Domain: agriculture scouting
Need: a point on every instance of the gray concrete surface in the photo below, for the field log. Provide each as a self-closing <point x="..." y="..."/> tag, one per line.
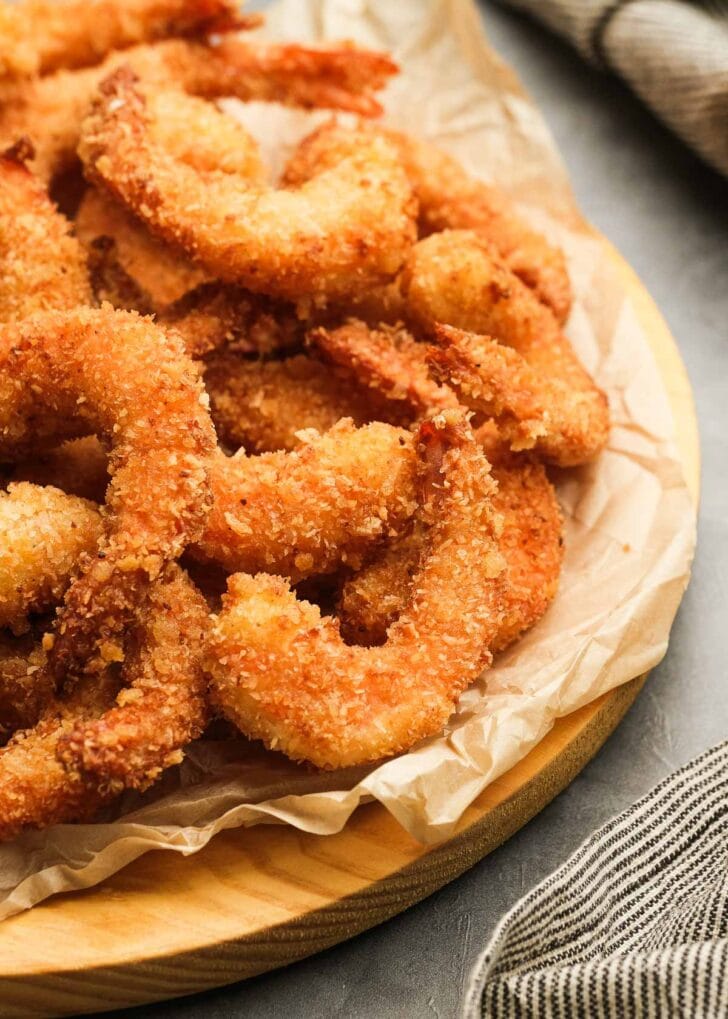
<point x="668" y="214"/>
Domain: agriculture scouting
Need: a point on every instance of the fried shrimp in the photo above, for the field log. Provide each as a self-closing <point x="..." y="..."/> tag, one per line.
<point x="284" y="675"/>
<point x="531" y="380"/>
<point x="42" y="266"/>
<point x="264" y="405"/>
<point x="162" y="706"/>
<point x="328" y="502"/>
<point x="35" y="789"/>
<point x="389" y="361"/>
<point x="531" y="542"/>
<point x="346" y="227"/>
<point x="119" y="375"/>
<point x="50" y="110"/>
<point x="54" y="34"/>
<point x="160" y="274"/>
<point x="43" y="534"/>
<point x="97" y="740"/>
<point x="450" y="199"/>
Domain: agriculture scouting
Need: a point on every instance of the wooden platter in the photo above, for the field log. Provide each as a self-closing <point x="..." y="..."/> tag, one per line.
<point x="262" y="897"/>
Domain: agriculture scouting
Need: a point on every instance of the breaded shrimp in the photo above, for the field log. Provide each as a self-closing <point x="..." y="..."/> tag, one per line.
<point x="119" y="375"/>
<point x="50" y="110"/>
<point x="450" y="199"/>
<point x="42" y="266"/>
<point x="347" y="227"/>
<point x="110" y="740"/>
<point x="163" y="704"/>
<point x="328" y="502"/>
<point x="283" y="674"/>
<point x="55" y="34"/>
<point x="389" y="361"/>
<point x="264" y="405"/>
<point x="35" y="789"/>
<point x="161" y="273"/>
<point x="531" y="542"/>
<point x="43" y="534"/>
<point x="538" y="390"/>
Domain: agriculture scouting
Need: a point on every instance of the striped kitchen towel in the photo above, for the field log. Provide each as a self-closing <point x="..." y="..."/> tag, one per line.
<point x="672" y="53"/>
<point x="635" y="923"/>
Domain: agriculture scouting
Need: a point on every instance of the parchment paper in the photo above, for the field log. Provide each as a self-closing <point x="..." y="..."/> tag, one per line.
<point x="629" y="518"/>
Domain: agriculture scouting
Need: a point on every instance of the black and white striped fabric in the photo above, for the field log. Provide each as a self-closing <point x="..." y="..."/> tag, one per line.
<point x="635" y="923"/>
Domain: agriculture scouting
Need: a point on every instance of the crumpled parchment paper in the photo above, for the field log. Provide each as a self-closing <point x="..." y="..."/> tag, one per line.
<point x="629" y="517"/>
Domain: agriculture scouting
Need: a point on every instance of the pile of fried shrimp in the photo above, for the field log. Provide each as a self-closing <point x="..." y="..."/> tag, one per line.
<point x="277" y="456"/>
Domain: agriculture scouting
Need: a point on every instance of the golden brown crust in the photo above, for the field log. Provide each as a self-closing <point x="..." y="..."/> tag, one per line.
<point x="531" y="379"/>
<point x="264" y="405"/>
<point x="42" y="265"/>
<point x="346" y="227"/>
<point x="43" y="534"/>
<point x="54" y="34"/>
<point x="531" y="542"/>
<point x="451" y="199"/>
<point x="308" y="511"/>
<point x="284" y="675"/>
<point x="121" y="376"/>
<point x="50" y="110"/>
<point x="163" y="705"/>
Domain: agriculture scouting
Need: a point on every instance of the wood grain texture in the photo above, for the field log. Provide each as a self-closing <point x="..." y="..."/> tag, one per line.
<point x="262" y="897"/>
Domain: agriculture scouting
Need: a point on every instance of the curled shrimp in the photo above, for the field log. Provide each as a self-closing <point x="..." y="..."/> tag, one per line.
<point x="97" y="740"/>
<point x="449" y="198"/>
<point x="42" y="265"/>
<point x="531" y="380"/>
<point x="284" y="675"/>
<point x="347" y="226"/>
<point x="163" y="704"/>
<point x="54" y="34"/>
<point x="50" y="110"/>
<point x="117" y="374"/>
<point x="531" y="542"/>
<point x="328" y="502"/>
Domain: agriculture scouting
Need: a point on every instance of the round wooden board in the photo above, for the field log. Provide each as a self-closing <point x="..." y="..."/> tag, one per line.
<point x="262" y="897"/>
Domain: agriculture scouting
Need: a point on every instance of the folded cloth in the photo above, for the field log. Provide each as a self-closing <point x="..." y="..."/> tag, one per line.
<point x="635" y="923"/>
<point x="673" y="54"/>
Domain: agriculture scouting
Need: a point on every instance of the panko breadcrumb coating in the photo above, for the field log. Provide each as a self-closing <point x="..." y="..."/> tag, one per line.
<point x="531" y="542"/>
<point x="328" y="502"/>
<point x="539" y="386"/>
<point x="264" y="405"/>
<point x="52" y="34"/>
<point x="449" y="198"/>
<point x="50" y="110"/>
<point x="122" y="377"/>
<point x="163" y="704"/>
<point x="347" y="227"/>
<point x="42" y="265"/>
<point x="283" y="674"/>
<point x="389" y="361"/>
<point x="98" y="740"/>
<point x="43" y="534"/>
